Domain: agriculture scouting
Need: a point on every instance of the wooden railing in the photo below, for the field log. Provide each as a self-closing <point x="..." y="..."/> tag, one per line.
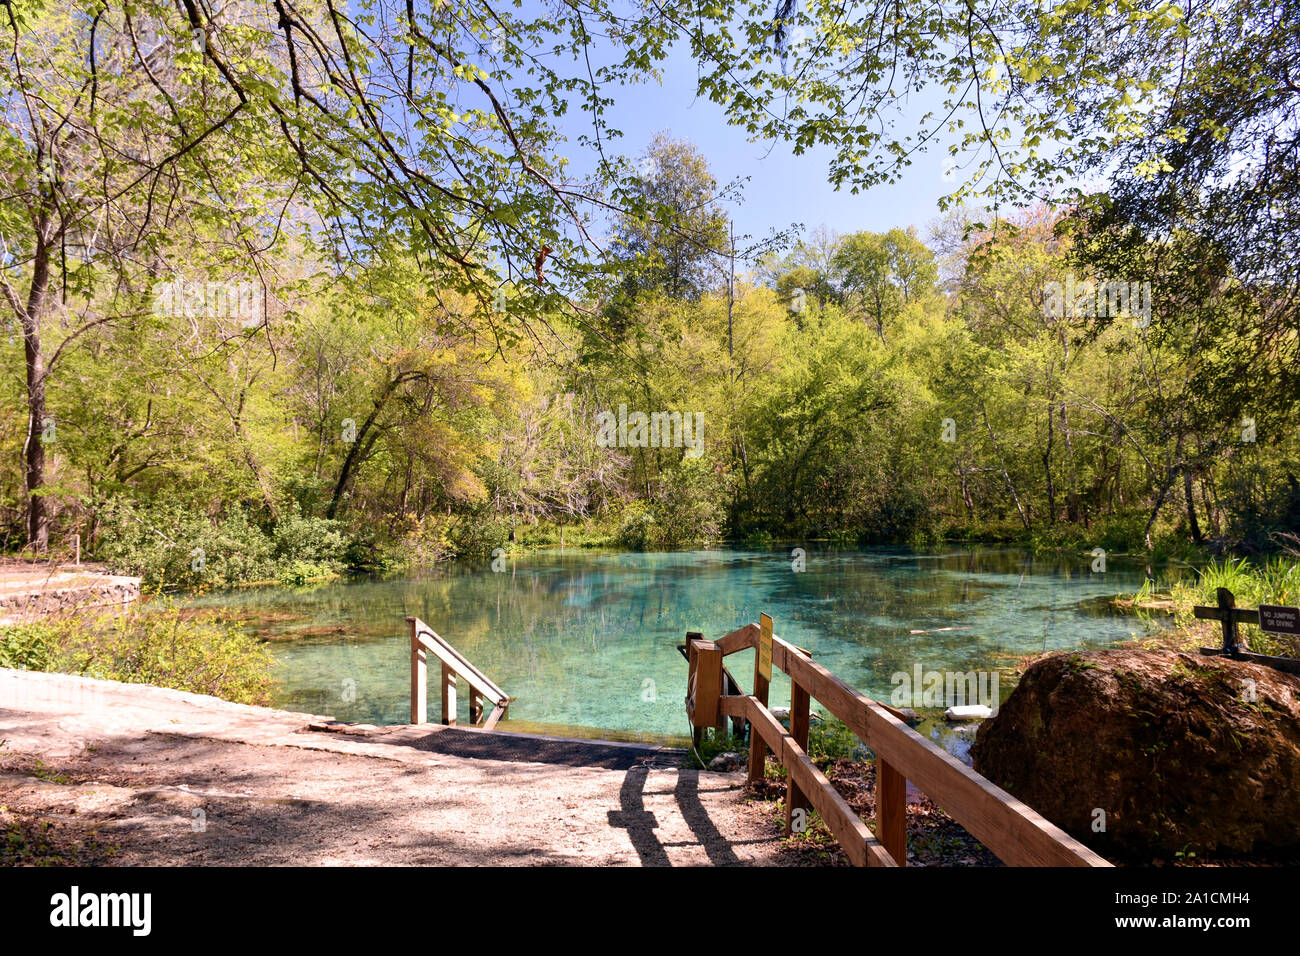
<point x="1017" y="834"/>
<point x="425" y="641"/>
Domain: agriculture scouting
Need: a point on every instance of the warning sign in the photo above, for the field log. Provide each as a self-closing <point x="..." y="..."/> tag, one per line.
<point x="1274" y="619"/>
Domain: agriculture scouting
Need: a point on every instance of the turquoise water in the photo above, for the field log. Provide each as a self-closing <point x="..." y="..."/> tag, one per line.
<point x="588" y="639"/>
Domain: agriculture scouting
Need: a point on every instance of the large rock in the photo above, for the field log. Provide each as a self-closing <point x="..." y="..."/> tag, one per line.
<point x="1180" y="751"/>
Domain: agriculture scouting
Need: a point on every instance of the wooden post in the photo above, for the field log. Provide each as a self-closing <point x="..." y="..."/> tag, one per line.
<point x="1229" y="620"/>
<point x="419" y="678"/>
<point x="448" y="696"/>
<point x="757" y="749"/>
<point x="697" y="732"/>
<point x="891" y="811"/>
<point x="76" y="546"/>
<point x="706" y="668"/>
<point x="732" y="689"/>
<point x="799" y="721"/>
<point x="475" y="707"/>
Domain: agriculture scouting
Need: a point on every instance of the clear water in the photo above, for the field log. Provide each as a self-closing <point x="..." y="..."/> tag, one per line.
<point x="588" y="639"/>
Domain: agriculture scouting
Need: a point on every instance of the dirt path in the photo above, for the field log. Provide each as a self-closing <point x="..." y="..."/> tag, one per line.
<point x="129" y="774"/>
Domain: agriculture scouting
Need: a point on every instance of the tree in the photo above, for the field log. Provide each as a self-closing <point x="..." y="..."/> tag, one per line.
<point x="673" y="243"/>
<point x="109" y="133"/>
<point x="880" y="274"/>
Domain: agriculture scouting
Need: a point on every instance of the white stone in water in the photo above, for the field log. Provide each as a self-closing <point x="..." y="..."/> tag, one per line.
<point x="968" y="712"/>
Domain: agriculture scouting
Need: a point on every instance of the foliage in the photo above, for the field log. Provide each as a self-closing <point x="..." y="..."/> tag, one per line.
<point x="170" y="546"/>
<point x="830" y="739"/>
<point x="711" y="744"/>
<point x="438" y="330"/>
<point x="152" y="645"/>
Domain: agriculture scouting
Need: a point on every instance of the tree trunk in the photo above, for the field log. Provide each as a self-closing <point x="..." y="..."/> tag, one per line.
<point x="1160" y="500"/>
<point x="1210" y="516"/>
<point x="1071" y="470"/>
<point x="1047" y="463"/>
<point x="38" y="513"/>
<point x="1191" y="507"/>
<point x="1024" y="515"/>
<point x="356" y="454"/>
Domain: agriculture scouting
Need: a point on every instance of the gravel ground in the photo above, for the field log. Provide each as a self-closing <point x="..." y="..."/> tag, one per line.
<point x="97" y="772"/>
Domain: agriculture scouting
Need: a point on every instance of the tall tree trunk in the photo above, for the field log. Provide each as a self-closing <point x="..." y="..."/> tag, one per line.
<point x="1191" y="506"/>
<point x="1047" y="463"/>
<point x="1160" y="500"/>
<point x="1071" y="470"/>
<point x="357" y="453"/>
<point x="38" y="512"/>
<point x="1024" y="515"/>
<point x="1210" y="516"/>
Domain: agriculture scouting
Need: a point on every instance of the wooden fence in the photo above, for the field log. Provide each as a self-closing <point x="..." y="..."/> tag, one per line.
<point x="1017" y="834"/>
<point x="1229" y="615"/>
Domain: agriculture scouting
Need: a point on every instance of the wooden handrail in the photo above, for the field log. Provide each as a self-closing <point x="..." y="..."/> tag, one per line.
<point x="424" y="640"/>
<point x="1014" y="831"/>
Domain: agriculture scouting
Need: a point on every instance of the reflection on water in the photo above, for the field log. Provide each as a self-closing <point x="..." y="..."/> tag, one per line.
<point x="589" y="638"/>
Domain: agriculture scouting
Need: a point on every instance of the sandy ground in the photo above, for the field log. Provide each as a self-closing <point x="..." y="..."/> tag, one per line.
<point x="101" y="772"/>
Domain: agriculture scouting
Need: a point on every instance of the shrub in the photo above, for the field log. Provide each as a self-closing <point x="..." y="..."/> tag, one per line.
<point x="635" y="527"/>
<point x="150" y="645"/>
<point x="170" y="546"/>
<point x="830" y="739"/>
<point x="478" y="533"/>
<point x="689" y="508"/>
<point x="26" y="647"/>
<point x="300" y="538"/>
<point x="713" y="743"/>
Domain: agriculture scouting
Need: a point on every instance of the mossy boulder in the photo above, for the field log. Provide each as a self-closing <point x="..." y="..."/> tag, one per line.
<point x="1179" y="751"/>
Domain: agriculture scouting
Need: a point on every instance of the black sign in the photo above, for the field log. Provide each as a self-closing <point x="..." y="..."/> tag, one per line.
<point x="1279" y="620"/>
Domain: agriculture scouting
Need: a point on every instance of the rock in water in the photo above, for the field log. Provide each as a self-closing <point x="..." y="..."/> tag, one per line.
<point x="1178" y="751"/>
<point x="968" y="712"/>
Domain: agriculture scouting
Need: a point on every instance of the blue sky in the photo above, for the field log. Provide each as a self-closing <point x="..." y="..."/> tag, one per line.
<point x="783" y="188"/>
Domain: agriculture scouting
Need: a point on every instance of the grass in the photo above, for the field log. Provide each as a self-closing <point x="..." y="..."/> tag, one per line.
<point x="1276" y="581"/>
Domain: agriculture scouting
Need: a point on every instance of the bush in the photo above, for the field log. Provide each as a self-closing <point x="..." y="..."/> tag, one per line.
<point x="688" y="509"/>
<point x="1117" y="533"/>
<point x="691" y="506"/>
<point x="151" y="645"/>
<point x="635" y="527"/>
<point x="26" y="647"/>
<point x="830" y="739"/>
<point x="478" y="534"/>
<point x="300" y="538"/>
<point x="297" y="573"/>
<point x="713" y="743"/>
<point x="169" y="546"/>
